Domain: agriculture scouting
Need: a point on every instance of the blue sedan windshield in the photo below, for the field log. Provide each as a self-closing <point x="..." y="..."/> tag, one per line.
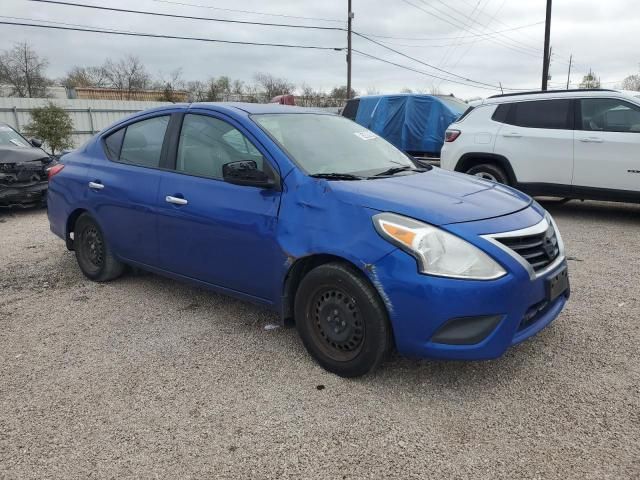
<point x="331" y="144"/>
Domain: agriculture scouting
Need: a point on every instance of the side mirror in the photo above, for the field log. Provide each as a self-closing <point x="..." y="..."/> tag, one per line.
<point x="245" y="172"/>
<point x="36" y="142"/>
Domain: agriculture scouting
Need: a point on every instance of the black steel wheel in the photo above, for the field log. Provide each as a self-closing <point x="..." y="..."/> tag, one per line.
<point x="338" y="325"/>
<point x="341" y="320"/>
<point x="93" y="254"/>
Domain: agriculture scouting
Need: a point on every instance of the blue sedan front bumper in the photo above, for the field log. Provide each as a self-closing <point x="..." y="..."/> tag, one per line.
<point x="515" y="306"/>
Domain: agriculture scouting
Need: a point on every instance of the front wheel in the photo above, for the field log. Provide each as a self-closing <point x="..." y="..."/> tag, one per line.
<point x="341" y="320"/>
<point x="93" y="254"/>
<point x="489" y="171"/>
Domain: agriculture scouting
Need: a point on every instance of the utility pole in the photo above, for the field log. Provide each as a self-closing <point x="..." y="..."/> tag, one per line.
<point x="547" y="54"/>
<point x="569" y="74"/>
<point x="349" y="19"/>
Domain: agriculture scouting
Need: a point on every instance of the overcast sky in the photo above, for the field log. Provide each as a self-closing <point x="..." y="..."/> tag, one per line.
<point x="601" y="35"/>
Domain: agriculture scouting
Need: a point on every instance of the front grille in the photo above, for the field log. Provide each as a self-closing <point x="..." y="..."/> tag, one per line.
<point x="539" y="249"/>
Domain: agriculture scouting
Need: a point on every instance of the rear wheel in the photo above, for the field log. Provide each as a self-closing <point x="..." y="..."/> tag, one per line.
<point x="341" y="320"/>
<point x="489" y="171"/>
<point x="92" y="251"/>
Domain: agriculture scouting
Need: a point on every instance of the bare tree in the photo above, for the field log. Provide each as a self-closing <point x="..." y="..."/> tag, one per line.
<point x="170" y="85"/>
<point x="435" y="89"/>
<point x="313" y="98"/>
<point x="406" y="90"/>
<point x="632" y="82"/>
<point x="196" y="89"/>
<point x="23" y="69"/>
<point x="237" y="87"/>
<point x="341" y="92"/>
<point x="273" y="86"/>
<point x="252" y="94"/>
<point x="95" y="77"/>
<point x="127" y="75"/>
<point x="214" y="90"/>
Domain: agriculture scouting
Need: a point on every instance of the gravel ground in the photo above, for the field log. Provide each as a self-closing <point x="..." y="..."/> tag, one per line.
<point x="145" y="377"/>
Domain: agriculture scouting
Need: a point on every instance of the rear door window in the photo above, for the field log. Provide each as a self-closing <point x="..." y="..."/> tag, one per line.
<point x="142" y="142"/>
<point x="551" y="114"/>
<point x="609" y="115"/>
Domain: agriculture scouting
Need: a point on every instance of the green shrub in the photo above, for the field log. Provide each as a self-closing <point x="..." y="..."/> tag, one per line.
<point x="53" y="126"/>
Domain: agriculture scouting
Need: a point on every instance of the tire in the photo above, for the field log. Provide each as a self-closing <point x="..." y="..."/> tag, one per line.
<point x="341" y="320"/>
<point x="489" y="171"/>
<point x="93" y="254"/>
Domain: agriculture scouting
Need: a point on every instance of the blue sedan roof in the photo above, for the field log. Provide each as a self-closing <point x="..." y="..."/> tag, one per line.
<point x="252" y="108"/>
<point x="236" y="107"/>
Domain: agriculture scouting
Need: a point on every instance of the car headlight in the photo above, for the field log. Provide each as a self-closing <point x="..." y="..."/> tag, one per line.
<point x="437" y="252"/>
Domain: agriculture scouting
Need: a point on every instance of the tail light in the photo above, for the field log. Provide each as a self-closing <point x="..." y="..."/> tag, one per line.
<point x="52" y="171"/>
<point x="450" y="135"/>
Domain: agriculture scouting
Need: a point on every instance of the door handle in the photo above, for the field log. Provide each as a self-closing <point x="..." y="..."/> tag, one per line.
<point x="176" y="200"/>
<point x="591" y="140"/>
<point x="96" y="185"/>
<point x="512" y="135"/>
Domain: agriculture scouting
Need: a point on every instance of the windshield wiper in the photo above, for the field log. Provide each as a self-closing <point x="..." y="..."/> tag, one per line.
<point x="394" y="170"/>
<point x="336" y="176"/>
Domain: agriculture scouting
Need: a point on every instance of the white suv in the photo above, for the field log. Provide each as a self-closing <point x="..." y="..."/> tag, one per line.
<point x="569" y="143"/>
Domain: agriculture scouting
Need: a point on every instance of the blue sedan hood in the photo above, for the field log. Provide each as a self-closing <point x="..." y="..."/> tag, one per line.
<point x="437" y="196"/>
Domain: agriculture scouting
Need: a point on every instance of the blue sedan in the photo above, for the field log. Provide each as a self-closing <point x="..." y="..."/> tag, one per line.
<point x="319" y="219"/>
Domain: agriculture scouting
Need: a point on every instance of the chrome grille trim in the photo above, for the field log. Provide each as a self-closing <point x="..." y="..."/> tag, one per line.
<point x="537" y="229"/>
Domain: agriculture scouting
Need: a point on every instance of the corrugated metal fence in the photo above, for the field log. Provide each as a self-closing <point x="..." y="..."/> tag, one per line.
<point x="88" y="116"/>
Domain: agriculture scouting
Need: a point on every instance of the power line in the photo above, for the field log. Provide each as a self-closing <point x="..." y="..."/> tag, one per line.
<point x="501" y="39"/>
<point x="450" y="51"/>
<point x="504" y="24"/>
<point x="515" y="45"/>
<point x="425" y="63"/>
<point x="484" y="28"/>
<point x="185" y="4"/>
<point x="459" y="12"/>
<point x="471" y="35"/>
<point x="405" y="67"/>
<point x="457" y="25"/>
<point x="25" y="19"/>
<point x="523" y="34"/>
<point x="186" y="17"/>
<point x="427" y="45"/>
<point x="172" y="37"/>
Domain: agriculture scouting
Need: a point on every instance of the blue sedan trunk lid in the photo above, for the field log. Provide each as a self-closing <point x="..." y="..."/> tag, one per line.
<point x="436" y="196"/>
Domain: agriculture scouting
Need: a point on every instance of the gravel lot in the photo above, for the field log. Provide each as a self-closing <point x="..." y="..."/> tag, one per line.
<point x="145" y="377"/>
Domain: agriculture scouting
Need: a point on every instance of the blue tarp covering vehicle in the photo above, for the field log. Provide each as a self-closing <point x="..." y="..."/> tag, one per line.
<point x="413" y="123"/>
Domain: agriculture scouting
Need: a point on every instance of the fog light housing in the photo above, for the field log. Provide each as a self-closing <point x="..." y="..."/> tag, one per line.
<point x="466" y="330"/>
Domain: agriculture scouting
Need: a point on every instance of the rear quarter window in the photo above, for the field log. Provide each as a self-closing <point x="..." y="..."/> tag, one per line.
<point x="501" y="113"/>
<point x="113" y="144"/>
<point x="465" y="114"/>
